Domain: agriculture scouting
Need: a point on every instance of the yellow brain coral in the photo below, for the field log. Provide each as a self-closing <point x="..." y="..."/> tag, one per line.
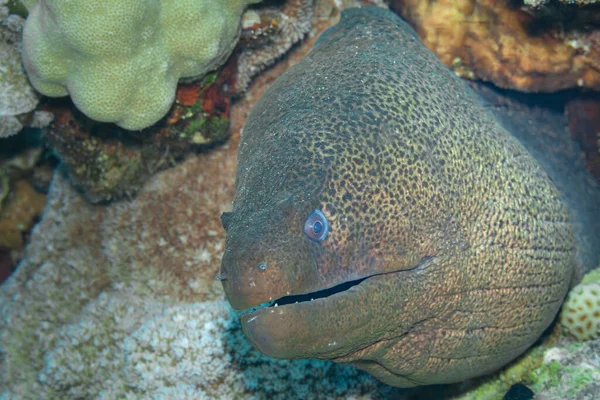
<point x="580" y="314"/>
<point x="120" y="60"/>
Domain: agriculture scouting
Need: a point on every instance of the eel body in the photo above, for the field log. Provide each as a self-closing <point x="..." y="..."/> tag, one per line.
<point x="385" y="219"/>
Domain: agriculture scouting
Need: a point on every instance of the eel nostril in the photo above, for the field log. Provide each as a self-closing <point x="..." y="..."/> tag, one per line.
<point x="222" y="276"/>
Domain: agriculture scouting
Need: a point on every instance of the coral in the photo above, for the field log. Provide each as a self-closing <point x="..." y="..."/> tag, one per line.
<point x="592" y="276"/>
<point x="99" y="282"/>
<point x="144" y="246"/>
<point x="101" y="164"/>
<point x="20" y="203"/>
<point x="16" y="95"/>
<point x="110" y="301"/>
<point x="539" y="3"/>
<point x="267" y="34"/>
<point x="512" y="47"/>
<point x="569" y="371"/>
<point x="121" y="61"/>
<point x="106" y="162"/>
<point x="580" y="315"/>
<point x="560" y="371"/>
<point x="19" y="213"/>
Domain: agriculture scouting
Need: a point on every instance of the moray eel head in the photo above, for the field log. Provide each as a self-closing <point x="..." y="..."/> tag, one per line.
<point x="383" y="218"/>
<point x="283" y="267"/>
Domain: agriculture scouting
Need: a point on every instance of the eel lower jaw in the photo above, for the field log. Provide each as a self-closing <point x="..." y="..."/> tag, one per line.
<point x="273" y="327"/>
<point x="316" y="324"/>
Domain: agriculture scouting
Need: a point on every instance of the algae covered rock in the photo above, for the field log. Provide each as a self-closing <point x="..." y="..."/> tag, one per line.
<point x="552" y="370"/>
<point x="16" y="95"/>
<point x="121" y="60"/>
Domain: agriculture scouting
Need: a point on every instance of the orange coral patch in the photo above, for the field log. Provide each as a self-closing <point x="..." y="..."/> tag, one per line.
<point x="188" y="94"/>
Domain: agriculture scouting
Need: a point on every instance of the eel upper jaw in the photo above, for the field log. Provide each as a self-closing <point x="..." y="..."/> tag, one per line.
<point x="325" y="293"/>
<point x="273" y="326"/>
<point x="280" y="329"/>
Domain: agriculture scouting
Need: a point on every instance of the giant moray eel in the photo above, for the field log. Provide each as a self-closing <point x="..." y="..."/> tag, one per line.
<point x="372" y="181"/>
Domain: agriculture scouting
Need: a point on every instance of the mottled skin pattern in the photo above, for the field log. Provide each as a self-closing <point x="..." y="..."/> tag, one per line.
<point x="466" y="244"/>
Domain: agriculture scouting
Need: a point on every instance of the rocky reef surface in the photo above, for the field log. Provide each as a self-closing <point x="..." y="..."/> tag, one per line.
<point x="515" y="47"/>
<point x="122" y="300"/>
<point x="18" y="100"/>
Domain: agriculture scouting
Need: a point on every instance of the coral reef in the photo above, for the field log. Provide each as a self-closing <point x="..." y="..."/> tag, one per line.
<point x="553" y="371"/>
<point x="137" y="278"/>
<point x="21" y="201"/>
<point x="145" y="246"/>
<point x="268" y="33"/>
<point x="121" y="61"/>
<point x="498" y="41"/>
<point x="539" y="3"/>
<point x="17" y="98"/>
<point x="20" y="212"/>
<point x="132" y="270"/>
<point x="106" y="161"/>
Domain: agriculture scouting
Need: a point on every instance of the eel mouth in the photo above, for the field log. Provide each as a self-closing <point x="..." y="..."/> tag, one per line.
<point x="306" y="297"/>
<point x="329" y="292"/>
<point x="319" y="294"/>
<point x="281" y="328"/>
<point x="316" y="324"/>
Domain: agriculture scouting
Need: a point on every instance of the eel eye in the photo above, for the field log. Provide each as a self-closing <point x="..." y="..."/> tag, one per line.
<point x="316" y="226"/>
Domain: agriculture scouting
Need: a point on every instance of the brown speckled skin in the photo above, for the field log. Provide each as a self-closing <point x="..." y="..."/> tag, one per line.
<point x="467" y="245"/>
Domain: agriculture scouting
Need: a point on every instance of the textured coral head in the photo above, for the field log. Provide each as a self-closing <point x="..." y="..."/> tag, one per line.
<point x="121" y="60"/>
